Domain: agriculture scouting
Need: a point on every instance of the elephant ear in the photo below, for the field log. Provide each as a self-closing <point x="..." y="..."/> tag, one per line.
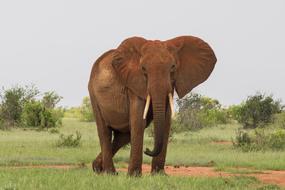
<point x="195" y="59"/>
<point x="126" y="62"/>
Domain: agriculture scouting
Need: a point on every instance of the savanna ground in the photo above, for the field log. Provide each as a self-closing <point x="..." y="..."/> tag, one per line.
<point x="205" y="159"/>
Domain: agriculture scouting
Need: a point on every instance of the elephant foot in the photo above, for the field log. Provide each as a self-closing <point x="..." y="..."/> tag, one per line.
<point x="97" y="166"/>
<point x="135" y="172"/>
<point x="112" y="172"/>
<point x="158" y="170"/>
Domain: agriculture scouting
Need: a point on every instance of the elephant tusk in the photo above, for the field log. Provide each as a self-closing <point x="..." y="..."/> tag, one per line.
<point x="171" y="104"/>
<point x="146" y="106"/>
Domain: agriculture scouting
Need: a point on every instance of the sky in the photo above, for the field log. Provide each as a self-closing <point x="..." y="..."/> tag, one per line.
<point x="53" y="44"/>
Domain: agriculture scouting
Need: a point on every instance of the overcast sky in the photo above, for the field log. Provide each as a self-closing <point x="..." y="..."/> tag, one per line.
<point x="54" y="43"/>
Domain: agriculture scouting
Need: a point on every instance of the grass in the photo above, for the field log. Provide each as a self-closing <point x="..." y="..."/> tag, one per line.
<point x="32" y="147"/>
<point x="30" y="179"/>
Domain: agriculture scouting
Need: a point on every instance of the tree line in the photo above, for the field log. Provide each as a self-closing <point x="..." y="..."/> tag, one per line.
<point x="26" y="106"/>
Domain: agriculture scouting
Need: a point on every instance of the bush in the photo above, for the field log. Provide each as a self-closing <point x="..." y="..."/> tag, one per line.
<point x="32" y="114"/>
<point x="234" y="112"/>
<point x="257" y="110"/>
<point x="13" y="101"/>
<point x="69" y="140"/>
<point x="35" y="114"/>
<point x="53" y="131"/>
<point x="2" y="124"/>
<point x="279" y="120"/>
<point x="19" y="107"/>
<point x="86" y="111"/>
<point x="51" y="99"/>
<point x="196" y="111"/>
<point x="73" y="112"/>
<point x="277" y="140"/>
<point x="260" y="140"/>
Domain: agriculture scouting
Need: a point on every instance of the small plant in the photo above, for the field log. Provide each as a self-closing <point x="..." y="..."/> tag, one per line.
<point x="277" y="140"/>
<point x="54" y="131"/>
<point x="242" y="140"/>
<point x="69" y="140"/>
<point x="260" y="140"/>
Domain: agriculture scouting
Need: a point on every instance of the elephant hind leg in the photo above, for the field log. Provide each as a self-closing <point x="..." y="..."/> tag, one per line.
<point x="120" y="140"/>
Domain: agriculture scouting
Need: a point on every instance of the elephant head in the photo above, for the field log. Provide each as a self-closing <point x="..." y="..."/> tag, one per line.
<point x="153" y="69"/>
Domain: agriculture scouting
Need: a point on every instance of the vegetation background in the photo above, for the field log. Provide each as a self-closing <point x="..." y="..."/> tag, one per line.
<point x="36" y="132"/>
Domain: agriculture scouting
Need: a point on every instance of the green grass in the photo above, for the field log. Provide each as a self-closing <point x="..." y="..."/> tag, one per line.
<point x="32" y="147"/>
<point x="30" y="179"/>
<point x="29" y="147"/>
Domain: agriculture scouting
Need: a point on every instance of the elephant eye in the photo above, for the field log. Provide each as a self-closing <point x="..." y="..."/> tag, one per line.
<point x="143" y="69"/>
<point x="173" y="68"/>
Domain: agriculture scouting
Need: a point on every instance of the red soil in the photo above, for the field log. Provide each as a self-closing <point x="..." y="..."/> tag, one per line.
<point x="268" y="176"/>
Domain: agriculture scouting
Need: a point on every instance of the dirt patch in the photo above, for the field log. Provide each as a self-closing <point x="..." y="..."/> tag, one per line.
<point x="222" y="142"/>
<point x="266" y="176"/>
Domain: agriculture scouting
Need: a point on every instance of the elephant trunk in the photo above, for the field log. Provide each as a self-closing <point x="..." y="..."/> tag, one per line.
<point x="158" y="105"/>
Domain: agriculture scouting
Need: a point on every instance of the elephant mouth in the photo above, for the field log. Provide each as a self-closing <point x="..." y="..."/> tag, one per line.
<point x="147" y="104"/>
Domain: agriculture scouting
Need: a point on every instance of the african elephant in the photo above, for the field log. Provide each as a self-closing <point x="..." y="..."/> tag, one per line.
<point x="133" y="85"/>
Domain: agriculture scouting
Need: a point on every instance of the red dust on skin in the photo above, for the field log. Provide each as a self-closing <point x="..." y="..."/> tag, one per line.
<point x="266" y="176"/>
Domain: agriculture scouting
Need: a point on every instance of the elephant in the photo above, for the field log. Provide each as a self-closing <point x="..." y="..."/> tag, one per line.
<point x="133" y="85"/>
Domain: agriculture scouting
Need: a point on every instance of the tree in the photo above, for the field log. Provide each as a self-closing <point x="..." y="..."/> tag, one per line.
<point x="20" y="106"/>
<point x="51" y="99"/>
<point x="258" y="110"/>
<point x="13" y="101"/>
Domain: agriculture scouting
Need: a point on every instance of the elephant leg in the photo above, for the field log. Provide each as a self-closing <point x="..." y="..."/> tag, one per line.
<point x="105" y="138"/>
<point x="120" y="140"/>
<point x="158" y="162"/>
<point x="137" y="133"/>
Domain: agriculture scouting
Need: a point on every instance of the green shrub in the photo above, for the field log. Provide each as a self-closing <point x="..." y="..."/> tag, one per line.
<point x="19" y="107"/>
<point x="257" y="110"/>
<point x="69" y="140"/>
<point x="35" y="114"/>
<point x="277" y="140"/>
<point x="13" y="101"/>
<point x="196" y="112"/>
<point x="32" y="114"/>
<point x="242" y="140"/>
<point x="279" y="120"/>
<point x="234" y="112"/>
<point x="86" y="111"/>
<point x="53" y="131"/>
<point x="260" y="140"/>
<point x="50" y="99"/>
<point x="73" y="112"/>
<point x="1" y="124"/>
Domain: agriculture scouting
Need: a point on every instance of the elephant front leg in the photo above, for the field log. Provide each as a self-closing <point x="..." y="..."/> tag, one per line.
<point x="158" y="162"/>
<point x="137" y="125"/>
